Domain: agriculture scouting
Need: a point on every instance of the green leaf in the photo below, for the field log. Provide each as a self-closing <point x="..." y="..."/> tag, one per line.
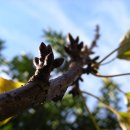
<point x="124" y="50"/>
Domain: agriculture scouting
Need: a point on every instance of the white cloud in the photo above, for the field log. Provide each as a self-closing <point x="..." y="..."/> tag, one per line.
<point x="56" y="16"/>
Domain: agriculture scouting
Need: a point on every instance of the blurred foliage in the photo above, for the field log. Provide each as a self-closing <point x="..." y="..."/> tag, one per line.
<point x="2" y="47"/>
<point x="21" y="67"/>
<point x="65" y="115"/>
<point x="109" y="95"/>
<point x="58" y="42"/>
<point x="70" y="113"/>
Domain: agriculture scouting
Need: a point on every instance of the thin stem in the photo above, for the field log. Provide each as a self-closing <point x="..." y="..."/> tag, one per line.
<point x="90" y="94"/>
<point x="110" y="76"/>
<point x="120" y="90"/>
<point x="108" y="55"/>
<point x="104" y="104"/>
<point x="108" y="61"/>
<point x="96" y="37"/>
<point x="91" y="116"/>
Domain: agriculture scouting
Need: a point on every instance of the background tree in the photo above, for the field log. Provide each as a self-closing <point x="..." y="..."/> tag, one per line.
<point x="71" y="112"/>
<point x="1" y="49"/>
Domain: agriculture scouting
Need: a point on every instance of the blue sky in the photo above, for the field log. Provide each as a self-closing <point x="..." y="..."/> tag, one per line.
<point x="22" y="22"/>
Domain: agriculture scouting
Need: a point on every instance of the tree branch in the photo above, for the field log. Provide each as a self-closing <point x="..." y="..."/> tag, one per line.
<point x="39" y="88"/>
<point x="36" y="92"/>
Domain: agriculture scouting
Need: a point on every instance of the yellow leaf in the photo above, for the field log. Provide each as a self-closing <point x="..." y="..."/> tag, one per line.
<point x="5" y="121"/>
<point x="127" y="99"/>
<point x="6" y="85"/>
<point x="124" y="120"/>
<point x="124" y="50"/>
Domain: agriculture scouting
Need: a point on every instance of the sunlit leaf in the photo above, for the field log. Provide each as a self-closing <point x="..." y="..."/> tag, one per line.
<point x="5" y="121"/>
<point x="123" y="117"/>
<point x="127" y="98"/>
<point x="124" y="120"/>
<point x="124" y="51"/>
<point x="6" y="85"/>
<point x="128" y="95"/>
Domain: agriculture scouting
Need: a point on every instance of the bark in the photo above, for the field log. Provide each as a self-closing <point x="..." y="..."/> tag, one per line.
<point x="34" y="93"/>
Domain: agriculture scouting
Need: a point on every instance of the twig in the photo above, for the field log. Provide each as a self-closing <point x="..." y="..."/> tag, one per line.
<point x="34" y="93"/>
<point x="91" y="116"/>
<point x="120" y="90"/>
<point x="109" y="76"/>
<point x="104" y="104"/>
<point x="111" y="53"/>
<point x="96" y="37"/>
<point x="108" y="61"/>
<point x="108" y="55"/>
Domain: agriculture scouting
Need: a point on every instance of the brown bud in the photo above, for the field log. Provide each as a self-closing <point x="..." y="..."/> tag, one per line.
<point x="36" y="61"/>
<point x="95" y="58"/>
<point x="58" y="62"/>
<point x="77" y="39"/>
<point x="80" y="46"/>
<point x="71" y="38"/>
<point x="49" y="59"/>
<point x="67" y="50"/>
<point x="42" y="47"/>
